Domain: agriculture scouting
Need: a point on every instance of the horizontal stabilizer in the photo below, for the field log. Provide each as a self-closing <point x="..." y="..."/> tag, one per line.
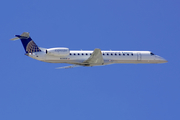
<point x="22" y="36"/>
<point x="25" y="34"/>
<point x="16" y="38"/>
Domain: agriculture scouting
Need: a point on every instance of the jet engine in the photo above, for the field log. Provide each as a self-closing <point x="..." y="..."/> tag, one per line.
<point x="58" y="51"/>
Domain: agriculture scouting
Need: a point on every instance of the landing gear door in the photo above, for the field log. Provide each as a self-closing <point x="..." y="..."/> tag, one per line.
<point x="138" y="56"/>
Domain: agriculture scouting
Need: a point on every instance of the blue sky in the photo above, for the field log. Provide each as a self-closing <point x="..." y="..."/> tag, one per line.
<point x="30" y="89"/>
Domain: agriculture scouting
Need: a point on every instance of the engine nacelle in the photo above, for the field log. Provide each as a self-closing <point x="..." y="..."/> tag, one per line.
<point x="58" y="51"/>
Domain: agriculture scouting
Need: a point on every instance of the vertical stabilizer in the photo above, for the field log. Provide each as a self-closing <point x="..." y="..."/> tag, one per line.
<point x="29" y="45"/>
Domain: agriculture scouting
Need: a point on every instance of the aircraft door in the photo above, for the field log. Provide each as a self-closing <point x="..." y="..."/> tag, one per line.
<point x="138" y="56"/>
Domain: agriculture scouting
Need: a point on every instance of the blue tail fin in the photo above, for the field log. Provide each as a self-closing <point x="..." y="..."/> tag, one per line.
<point x="29" y="45"/>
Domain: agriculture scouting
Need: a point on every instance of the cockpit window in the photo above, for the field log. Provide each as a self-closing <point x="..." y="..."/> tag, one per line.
<point x="152" y="53"/>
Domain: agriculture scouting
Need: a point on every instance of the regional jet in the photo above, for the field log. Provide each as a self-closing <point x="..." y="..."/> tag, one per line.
<point x="84" y="58"/>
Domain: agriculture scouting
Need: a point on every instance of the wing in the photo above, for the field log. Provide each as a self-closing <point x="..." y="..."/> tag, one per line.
<point x="66" y="67"/>
<point x="96" y="58"/>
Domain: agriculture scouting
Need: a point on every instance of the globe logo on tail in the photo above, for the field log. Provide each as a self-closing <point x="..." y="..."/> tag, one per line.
<point x="32" y="47"/>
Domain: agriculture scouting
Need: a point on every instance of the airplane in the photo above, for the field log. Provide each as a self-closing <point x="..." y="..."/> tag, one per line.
<point x="84" y="58"/>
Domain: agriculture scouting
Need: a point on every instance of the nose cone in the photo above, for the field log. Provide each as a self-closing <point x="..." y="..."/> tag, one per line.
<point x="161" y="60"/>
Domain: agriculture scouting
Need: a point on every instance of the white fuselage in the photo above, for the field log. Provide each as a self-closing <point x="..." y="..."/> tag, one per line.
<point x="84" y="58"/>
<point x="109" y="57"/>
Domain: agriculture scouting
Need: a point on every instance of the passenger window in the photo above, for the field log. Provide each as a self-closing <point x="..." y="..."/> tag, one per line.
<point x="70" y="54"/>
<point x="103" y="53"/>
<point x="90" y="53"/>
<point x="128" y="54"/>
<point x="111" y="54"/>
<point x="107" y="54"/>
<point x="115" y="54"/>
<point x="74" y="53"/>
<point x="119" y="54"/>
<point x="82" y="54"/>
<point x="78" y="54"/>
<point x="132" y="54"/>
<point x="86" y="54"/>
<point x="123" y="54"/>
